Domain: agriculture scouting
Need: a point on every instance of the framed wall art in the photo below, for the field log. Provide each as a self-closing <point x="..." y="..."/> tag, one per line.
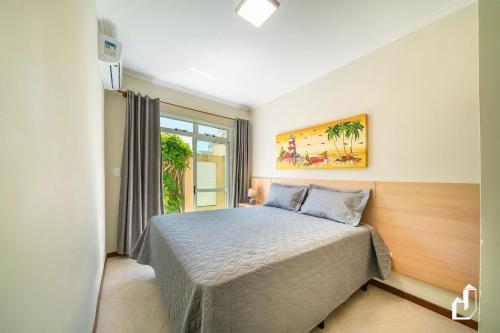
<point x="335" y="144"/>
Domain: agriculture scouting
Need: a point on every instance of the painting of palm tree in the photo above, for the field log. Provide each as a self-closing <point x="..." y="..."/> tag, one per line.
<point x="354" y="130"/>
<point x="343" y="146"/>
<point x="333" y="133"/>
<point x="344" y="131"/>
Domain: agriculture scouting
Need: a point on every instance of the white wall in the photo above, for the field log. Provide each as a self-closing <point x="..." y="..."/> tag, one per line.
<point x="115" y="108"/>
<point x="489" y="85"/>
<point x="52" y="166"/>
<point x="421" y="96"/>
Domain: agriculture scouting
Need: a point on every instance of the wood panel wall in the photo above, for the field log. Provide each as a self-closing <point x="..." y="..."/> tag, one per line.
<point x="432" y="229"/>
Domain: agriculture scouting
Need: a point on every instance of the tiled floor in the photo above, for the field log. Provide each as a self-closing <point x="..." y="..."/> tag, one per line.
<point x="130" y="303"/>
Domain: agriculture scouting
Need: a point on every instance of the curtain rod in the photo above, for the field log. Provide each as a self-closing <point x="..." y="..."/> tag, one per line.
<point x="124" y="94"/>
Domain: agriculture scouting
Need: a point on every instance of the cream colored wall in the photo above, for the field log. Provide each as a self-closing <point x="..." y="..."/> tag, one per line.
<point x="421" y="96"/>
<point x="115" y="106"/>
<point x="114" y="126"/>
<point x="489" y="87"/>
<point x="52" y="168"/>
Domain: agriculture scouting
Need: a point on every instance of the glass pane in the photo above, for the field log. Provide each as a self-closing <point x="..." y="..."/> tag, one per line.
<point x="188" y="179"/>
<point x="186" y="139"/>
<point x="211" y="165"/>
<point x="177" y="194"/>
<point x="212" y="131"/>
<point x="210" y="200"/>
<point x="166" y="122"/>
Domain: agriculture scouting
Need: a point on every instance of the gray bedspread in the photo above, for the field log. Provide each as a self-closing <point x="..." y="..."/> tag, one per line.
<point x="258" y="269"/>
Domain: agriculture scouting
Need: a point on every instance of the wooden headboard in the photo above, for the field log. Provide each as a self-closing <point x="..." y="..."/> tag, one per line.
<point x="431" y="229"/>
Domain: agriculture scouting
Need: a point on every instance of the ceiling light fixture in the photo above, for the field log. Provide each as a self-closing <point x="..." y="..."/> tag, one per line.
<point x="257" y="11"/>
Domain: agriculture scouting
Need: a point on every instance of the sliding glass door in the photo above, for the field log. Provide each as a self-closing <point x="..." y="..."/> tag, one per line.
<point x="206" y="182"/>
<point x="211" y="175"/>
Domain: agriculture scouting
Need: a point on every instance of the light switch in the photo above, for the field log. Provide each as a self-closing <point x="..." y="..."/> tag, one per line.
<point x="116" y="172"/>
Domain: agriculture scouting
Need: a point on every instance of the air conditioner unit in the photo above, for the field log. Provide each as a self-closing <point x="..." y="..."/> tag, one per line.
<point x="110" y="62"/>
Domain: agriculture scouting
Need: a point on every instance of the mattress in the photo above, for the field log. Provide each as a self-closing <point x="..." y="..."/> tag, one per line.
<point x="258" y="269"/>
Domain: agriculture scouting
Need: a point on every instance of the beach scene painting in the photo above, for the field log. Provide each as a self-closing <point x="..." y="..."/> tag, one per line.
<point x="336" y="144"/>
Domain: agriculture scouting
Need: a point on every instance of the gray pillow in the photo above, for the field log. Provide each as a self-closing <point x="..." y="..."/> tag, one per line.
<point x="334" y="204"/>
<point x="286" y="196"/>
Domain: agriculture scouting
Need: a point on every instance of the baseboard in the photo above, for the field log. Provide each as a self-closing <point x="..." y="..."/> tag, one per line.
<point x="422" y="302"/>
<point x="112" y="254"/>
<point x="96" y="318"/>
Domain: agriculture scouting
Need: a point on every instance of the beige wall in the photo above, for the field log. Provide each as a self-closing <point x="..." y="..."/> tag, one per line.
<point x="115" y="123"/>
<point x="489" y="87"/>
<point x="421" y="96"/>
<point x="52" y="168"/>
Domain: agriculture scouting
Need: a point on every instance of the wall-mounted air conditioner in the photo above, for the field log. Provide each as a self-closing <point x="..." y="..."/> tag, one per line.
<point x="110" y="62"/>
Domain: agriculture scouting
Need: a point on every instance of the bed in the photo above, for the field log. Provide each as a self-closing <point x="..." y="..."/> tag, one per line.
<point x="258" y="269"/>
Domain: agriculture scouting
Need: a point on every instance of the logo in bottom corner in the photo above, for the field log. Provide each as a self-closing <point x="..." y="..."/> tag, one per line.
<point x="468" y="304"/>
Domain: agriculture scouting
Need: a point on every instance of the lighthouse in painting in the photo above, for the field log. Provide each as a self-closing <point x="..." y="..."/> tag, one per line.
<point x="292" y="149"/>
<point x="291" y="153"/>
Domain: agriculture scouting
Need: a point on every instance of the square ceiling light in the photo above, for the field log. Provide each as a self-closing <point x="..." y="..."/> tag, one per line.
<point x="257" y="11"/>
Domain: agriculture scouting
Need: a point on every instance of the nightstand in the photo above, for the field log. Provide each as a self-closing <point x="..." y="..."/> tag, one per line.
<point x="246" y="205"/>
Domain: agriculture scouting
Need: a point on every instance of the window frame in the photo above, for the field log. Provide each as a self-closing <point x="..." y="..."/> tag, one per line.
<point x="196" y="136"/>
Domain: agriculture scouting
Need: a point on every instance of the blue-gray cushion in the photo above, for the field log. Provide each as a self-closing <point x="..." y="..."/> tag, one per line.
<point x="337" y="205"/>
<point x="288" y="197"/>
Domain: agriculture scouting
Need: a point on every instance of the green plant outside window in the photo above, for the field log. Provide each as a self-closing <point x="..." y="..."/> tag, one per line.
<point x="175" y="161"/>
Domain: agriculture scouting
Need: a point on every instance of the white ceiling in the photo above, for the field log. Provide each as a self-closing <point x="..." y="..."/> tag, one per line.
<point x="204" y="47"/>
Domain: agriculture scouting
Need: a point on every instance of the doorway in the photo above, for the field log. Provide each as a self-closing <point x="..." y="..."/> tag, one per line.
<point x="206" y="182"/>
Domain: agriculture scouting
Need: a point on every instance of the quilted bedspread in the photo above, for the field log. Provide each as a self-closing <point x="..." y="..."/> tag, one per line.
<point x="258" y="269"/>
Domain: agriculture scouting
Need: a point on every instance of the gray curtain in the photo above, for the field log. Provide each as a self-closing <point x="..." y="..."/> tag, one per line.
<point x="240" y="173"/>
<point x="140" y="192"/>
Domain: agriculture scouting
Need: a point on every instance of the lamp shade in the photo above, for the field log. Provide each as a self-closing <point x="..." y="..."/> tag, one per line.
<point x="252" y="193"/>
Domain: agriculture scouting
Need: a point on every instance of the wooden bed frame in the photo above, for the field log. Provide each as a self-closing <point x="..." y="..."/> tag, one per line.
<point x="431" y="229"/>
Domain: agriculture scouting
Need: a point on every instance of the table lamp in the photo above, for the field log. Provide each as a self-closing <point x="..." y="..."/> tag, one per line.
<point x="252" y="195"/>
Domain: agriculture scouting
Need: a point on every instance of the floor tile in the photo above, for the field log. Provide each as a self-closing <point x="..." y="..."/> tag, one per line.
<point x="151" y="316"/>
<point x="130" y="303"/>
<point x="114" y="316"/>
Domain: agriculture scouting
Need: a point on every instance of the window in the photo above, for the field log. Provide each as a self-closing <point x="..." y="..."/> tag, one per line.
<point x="212" y="131"/>
<point x="206" y="182"/>
<point x="177" y="125"/>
